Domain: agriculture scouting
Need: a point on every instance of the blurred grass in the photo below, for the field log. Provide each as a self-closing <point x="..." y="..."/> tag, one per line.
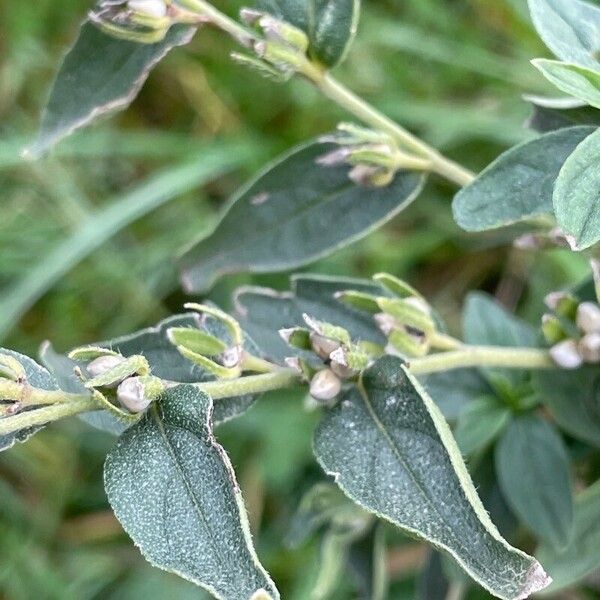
<point x="75" y="268"/>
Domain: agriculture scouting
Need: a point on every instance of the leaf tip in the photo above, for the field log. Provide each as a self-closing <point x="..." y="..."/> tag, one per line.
<point x="536" y="580"/>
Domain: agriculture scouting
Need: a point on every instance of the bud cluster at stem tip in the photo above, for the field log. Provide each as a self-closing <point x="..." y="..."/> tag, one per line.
<point x="573" y="327"/>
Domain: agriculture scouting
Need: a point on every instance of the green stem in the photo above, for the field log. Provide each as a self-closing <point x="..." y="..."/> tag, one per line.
<point x="441" y="341"/>
<point x="253" y="384"/>
<point x="344" y="98"/>
<point x="257" y="365"/>
<point x="26" y="395"/>
<point x="482" y="356"/>
<point x="47" y="414"/>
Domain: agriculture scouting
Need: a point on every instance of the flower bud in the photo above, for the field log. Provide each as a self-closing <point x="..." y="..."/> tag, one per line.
<point x="562" y="303"/>
<point x="232" y="357"/>
<point x="131" y="395"/>
<point x="323" y="346"/>
<point x="566" y="355"/>
<point x="552" y="329"/>
<point x="325" y="386"/>
<point x="589" y="348"/>
<point x="151" y="8"/>
<point x="588" y="317"/>
<point x="103" y="364"/>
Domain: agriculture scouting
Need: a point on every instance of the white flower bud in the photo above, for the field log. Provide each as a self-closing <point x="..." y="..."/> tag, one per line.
<point x="566" y="355"/>
<point x="325" y="386"/>
<point x="588" y="317"/>
<point x="386" y="323"/>
<point x="323" y="346"/>
<point x="152" y="8"/>
<point x="232" y="357"/>
<point x="131" y="395"/>
<point x="589" y="347"/>
<point x="103" y="364"/>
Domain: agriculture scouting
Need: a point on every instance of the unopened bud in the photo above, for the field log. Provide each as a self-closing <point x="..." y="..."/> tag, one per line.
<point x="131" y="395"/>
<point x="371" y="175"/>
<point x="552" y="329"/>
<point x="103" y="364"/>
<point x="325" y="386"/>
<point x="323" y="346"/>
<point x="566" y="355"/>
<point x="588" y="317"/>
<point x="151" y="8"/>
<point x="386" y="323"/>
<point x="589" y="347"/>
<point x="232" y="357"/>
<point x="529" y="241"/>
<point x="562" y="303"/>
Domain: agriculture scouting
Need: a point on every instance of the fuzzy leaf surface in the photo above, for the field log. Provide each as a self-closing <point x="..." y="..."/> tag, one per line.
<point x="173" y="489"/>
<point x="518" y="184"/>
<point x="294" y="212"/>
<point x="390" y="450"/>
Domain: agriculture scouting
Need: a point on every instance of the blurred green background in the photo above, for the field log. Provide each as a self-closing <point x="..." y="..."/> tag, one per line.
<point x="88" y="237"/>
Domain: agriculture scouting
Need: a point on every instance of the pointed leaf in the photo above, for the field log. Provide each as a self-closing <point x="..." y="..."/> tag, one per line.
<point x="100" y="74"/>
<point x="390" y="450"/>
<point x="517" y="185"/>
<point x="293" y="213"/>
<point x="577" y="194"/>
<point x="173" y="489"/>
<point x="533" y="473"/>
<point x="480" y="423"/>
<point x="569" y="28"/>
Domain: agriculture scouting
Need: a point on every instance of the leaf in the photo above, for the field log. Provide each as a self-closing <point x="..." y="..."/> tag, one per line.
<point x="390" y="450"/>
<point x="487" y="323"/>
<point x="549" y="117"/>
<point x="577" y="194"/>
<point x="100" y="74"/>
<point x="37" y="377"/>
<point x="533" y="473"/>
<point x="263" y="312"/>
<point x="569" y="28"/>
<point x="294" y="212"/>
<point x="581" y="557"/>
<point x="479" y="423"/>
<point x="330" y="24"/>
<point x="577" y="81"/>
<point x="573" y="398"/>
<point x="367" y="562"/>
<point x="173" y="489"/>
<point x="518" y="184"/>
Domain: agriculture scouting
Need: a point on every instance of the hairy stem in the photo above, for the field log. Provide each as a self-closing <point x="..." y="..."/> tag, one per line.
<point x="482" y="356"/>
<point x="253" y="384"/>
<point x="47" y="414"/>
<point x="345" y="98"/>
<point x="27" y="395"/>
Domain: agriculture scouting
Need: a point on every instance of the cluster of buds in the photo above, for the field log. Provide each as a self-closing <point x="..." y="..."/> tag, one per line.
<point x="142" y="21"/>
<point x="573" y="327"/>
<point x="338" y="357"/>
<point x="224" y="360"/>
<point x="375" y="157"/>
<point x="404" y="317"/>
<point x="279" y="47"/>
<point x="112" y="376"/>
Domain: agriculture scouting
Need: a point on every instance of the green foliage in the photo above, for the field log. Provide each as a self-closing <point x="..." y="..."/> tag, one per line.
<point x="517" y="185"/>
<point x="173" y="489"/>
<point x="533" y="473"/>
<point x="577" y="192"/>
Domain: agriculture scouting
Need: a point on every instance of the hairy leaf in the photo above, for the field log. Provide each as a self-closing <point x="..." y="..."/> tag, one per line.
<point x="173" y="489"/>
<point x="294" y="212"/>
<point x="517" y="185"/>
<point x="263" y="312"/>
<point x="390" y="450"/>
<point x="573" y="398"/>
<point x="577" y="194"/>
<point x="547" y="117"/>
<point x="100" y="74"/>
<point x="330" y="24"/>
<point x="569" y="28"/>
<point x="480" y="423"/>
<point x="36" y="376"/>
<point x="577" y="81"/>
<point x="581" y="556"/>
<point x="533" y="472"/>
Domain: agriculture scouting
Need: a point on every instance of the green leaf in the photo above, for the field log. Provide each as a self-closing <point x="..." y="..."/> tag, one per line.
<point x="569" y="28"/>
<point x="294" y="212"/>
<point x="577" y="194"/>
<point x="390" y="450"/>
<point x="367" y="561"/>
<point x="479" y="423"/>
<point x="487" y="323"/>
<point x="581" y="557"/>
<point x="262" y="312"/>
<point x="533" y="473"/>
<point x="580" y="82"/>
<point x="173" y="489"/>
<point x="548" y="115"/>
<point x="37" y="377"/>
<point x="330" y="24"/>
<point x="518" y="184"/>
<point x="573" y="398"/>
<point x="100" y="74"/>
